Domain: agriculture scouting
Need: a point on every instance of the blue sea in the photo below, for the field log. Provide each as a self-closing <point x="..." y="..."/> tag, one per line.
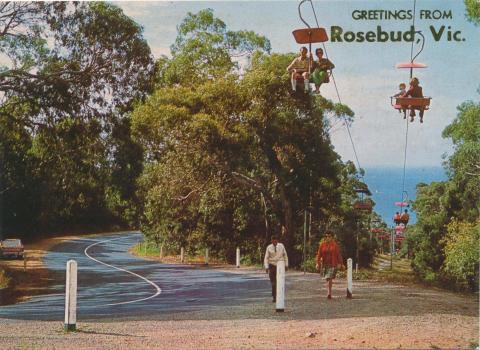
<point x="386" y="187"/>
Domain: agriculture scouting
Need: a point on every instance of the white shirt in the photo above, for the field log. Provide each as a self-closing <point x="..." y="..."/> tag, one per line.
<point x="273" y="254"/>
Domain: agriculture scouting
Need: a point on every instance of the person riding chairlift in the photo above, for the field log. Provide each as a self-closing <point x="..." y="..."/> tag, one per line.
<point x="405" y="217"/>
<point x="321" y="68"/>
<point x="415" y="90"/>
<point x="299" y="69"/>
<point x="397" y="219"/>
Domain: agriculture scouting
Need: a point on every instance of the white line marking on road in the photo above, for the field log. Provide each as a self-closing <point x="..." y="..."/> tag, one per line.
<point x="158" y="290"/>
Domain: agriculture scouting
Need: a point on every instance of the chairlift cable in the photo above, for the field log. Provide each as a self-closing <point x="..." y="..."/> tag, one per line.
<point x="405" y="160"/>
<point x="411" y="49"/>
<point x="338" y="96"/>
<point x="406" y="131"/>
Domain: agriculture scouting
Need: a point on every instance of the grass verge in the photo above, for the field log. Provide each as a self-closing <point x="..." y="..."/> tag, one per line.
<point x="4" y="279"/>
<point x="152" y="251"/>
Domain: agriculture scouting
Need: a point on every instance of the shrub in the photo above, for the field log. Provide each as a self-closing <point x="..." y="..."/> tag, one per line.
<point x="462" y="252"/>
<point x="4" y="279"/>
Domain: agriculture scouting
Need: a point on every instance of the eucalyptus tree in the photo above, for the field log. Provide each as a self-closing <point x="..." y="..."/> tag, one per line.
<point x="448" y="212"/>
<point x="231" y="155"/>
<point x="73" y="71"/>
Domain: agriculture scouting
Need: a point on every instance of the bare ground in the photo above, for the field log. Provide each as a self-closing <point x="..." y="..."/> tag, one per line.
<point x="32" y="278"/>
<point x="381" y="315"/>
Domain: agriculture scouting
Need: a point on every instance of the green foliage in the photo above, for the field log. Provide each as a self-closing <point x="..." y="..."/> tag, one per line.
<point x="86" y="60"/>
<point x="258" y="159"/>
<point x="446" y="234"/>
<point x="473" y="11"/>
<point x="464" y="165"/>
<point x="205" y="49"/>
<point x="462" y="252"/>
<point x="309" y="265"/>
<point x="72" y="73"/>
<point x="71" y="160"/>
<point x="4" y="279"/>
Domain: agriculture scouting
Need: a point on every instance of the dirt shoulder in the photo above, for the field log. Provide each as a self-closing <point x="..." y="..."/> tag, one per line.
<point x="34" y="280"/>
<point x="380" y="315"/>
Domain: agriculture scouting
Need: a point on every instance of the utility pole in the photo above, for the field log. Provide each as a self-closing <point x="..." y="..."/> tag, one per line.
<point x="305" y="242"/>
<point x="262" y="197"/>
<point x="392" y="247"/>
<point x="1" y="192"/>
<point x="357" y="252"/>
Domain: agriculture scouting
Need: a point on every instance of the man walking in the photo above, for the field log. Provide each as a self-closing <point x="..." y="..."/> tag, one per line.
<point x="275" y="252"/>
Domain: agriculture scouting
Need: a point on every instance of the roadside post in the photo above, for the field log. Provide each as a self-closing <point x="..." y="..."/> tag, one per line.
<point x="280" y="303"/>
<point x="71" y="296"/>
<point x="206" y="256"/>
<point x="161" y="251"/>
<point x="182" y="255"/>
<point x="349" y="278"/>
<point x="392" y="248"/>
<point x="238" y="257"/>
<point x="24" y="262"/>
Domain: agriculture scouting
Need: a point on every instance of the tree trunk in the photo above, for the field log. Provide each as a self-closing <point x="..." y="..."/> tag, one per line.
<point x="287" y="220"/>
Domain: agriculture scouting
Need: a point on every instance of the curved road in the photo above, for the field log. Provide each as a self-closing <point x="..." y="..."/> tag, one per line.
<point x="114" y="283"/>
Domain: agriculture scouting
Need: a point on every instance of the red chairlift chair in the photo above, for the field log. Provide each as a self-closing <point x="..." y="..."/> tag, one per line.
<point x="307" y="36"/>
<point x="409" y="103"/>
<point x="363" y="204"/>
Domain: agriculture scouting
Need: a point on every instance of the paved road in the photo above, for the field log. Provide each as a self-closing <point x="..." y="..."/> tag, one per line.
<point x="114" y="283"/>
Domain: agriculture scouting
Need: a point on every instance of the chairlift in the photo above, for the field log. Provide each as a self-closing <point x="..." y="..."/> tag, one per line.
<point x="308" y="36"/>
<point x="409" y="103"/>
<point x="377" y="230"/>
<point x="363" y="204"/>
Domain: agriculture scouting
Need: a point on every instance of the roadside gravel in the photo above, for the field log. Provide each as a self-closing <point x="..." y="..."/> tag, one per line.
<point x="381" y="315"/>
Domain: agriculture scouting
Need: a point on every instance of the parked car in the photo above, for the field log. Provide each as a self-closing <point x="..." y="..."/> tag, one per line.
<point x="12" y="248"/>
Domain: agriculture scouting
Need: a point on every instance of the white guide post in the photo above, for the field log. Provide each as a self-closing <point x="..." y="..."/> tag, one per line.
<point x="349" y="278"/>
<point x="182" y="254"/>
<point x="161" y="251"/>
<point x="356" y="267"/>
<point x="238" y="257"/>
<point x="71" y="296"/>
<point x="280" y="303"/>
<point x="206" y="256"/>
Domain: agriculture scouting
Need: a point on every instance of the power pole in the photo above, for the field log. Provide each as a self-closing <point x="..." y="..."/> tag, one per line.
<point x="1" y="192"/>
<point x="357" y="252"/>
<point x="392" y="247"/>
<point x="305" y="242"/>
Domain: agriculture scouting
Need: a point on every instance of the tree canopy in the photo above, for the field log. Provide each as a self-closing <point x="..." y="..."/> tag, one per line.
<point x="449" y="211"/>
<point x="72" y="73"/>
<point x="233" y="157"/>
<point x="204" y="148"/>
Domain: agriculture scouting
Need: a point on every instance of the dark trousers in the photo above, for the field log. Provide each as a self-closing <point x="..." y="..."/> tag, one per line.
<point x="272" y="274"/>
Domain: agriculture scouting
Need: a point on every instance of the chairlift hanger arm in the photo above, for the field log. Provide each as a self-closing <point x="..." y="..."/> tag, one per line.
<point x="423" y="44"/>
<point x="300" y="12"/>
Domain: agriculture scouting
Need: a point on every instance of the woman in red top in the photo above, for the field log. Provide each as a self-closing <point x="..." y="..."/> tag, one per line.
<point x="329" y="259"/>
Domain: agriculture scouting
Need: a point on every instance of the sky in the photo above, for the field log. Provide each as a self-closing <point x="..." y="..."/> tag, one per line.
<point x="365" y="72"/>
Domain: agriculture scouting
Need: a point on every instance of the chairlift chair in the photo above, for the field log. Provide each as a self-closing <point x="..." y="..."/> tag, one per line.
<point x="409" y="103"/>
<point x="308" y="36"/>
<point x="363" y="204"/>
